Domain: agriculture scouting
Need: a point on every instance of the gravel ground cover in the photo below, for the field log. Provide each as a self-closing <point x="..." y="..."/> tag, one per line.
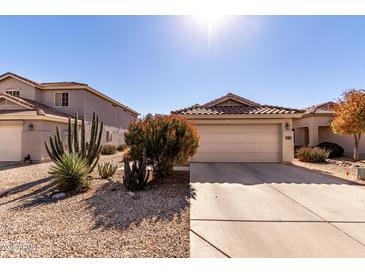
<point x="106" y="221"/>
<point x="340" y="167"/>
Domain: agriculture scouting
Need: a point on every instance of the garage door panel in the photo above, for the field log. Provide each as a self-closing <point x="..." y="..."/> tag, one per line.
<point x="247" y="137"/>
<point x="11" y="142"/>
<point x="239" y="128"/>
<point x="248" y="157"/>
<point x="239" y="147"/>
<point x="239" y="143"/>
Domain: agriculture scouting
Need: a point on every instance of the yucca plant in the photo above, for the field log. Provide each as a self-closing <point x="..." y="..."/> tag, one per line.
<point x="70" y="172"/>
<point x="90" y="151"/>
<point x="106" y="170"/>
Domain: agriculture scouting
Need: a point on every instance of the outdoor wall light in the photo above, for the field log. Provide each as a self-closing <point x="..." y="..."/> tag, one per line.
<point x="287" y="126"/>
<point x="30" y="127"/>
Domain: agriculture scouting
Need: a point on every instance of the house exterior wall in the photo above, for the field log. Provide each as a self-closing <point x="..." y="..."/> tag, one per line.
<point x="116" y="119"/>
<point x="76" y="100"/>
<point x="26" y="91"/>
<point x="347" y="142"/>
<point x="33" y="140"/>
<point x="318" y="128"/>
<point x="8" y="105"/>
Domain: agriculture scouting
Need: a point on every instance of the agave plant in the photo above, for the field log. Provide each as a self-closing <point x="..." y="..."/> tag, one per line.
<point x="106" y="170"/>
<point x="136" y="175"/>
<point x="70" y="172"/>
<point x="90" y="151"/>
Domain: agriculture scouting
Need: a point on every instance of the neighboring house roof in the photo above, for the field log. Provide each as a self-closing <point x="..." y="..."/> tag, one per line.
<point x="66" y="85"/>
<point x="245" y="107"/>
<point x="324" y="108"/>
<point x="30" y="105"/>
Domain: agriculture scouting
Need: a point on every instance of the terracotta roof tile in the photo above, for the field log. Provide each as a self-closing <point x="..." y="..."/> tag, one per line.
<point x="31" y="105"/>
<point x="219" y="110"/>
<point x="247" y="107"/>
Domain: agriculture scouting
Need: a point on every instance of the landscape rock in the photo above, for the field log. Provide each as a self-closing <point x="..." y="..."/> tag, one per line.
<point x="58" y="196"/>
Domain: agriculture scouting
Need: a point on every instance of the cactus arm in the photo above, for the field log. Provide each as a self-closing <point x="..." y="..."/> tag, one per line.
<point x="76" y="134"/>
<point x="49" y="152"/>
<point x="95" y="163"/>
<point x="70" y="144"/>
<point x="56" y="153"/>
<point x="83" y="153"/>
<point x="59" y="142"/>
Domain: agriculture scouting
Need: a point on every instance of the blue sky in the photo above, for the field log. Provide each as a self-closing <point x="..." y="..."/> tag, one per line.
<point x="162" y="63"/>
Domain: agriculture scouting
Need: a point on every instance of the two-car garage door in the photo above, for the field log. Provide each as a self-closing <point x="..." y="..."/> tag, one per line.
<point x="11" y="142"/>
<point x="239" y="143"/>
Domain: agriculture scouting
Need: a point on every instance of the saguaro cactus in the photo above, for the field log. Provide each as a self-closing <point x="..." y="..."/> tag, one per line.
<point x="88" y="150"/>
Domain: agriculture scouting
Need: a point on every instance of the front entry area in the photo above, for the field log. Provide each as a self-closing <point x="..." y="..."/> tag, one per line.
<point x="239" y="143"/>
<point x="11" y="142"/>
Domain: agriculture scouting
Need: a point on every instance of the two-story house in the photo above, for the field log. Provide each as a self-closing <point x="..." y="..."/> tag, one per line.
<point x="30" y="112"/>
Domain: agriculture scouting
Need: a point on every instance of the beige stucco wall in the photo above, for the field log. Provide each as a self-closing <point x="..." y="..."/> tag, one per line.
<point x="285" y="134"/>
<point x="112" y="115"/>
<point x="26" y="90"/>
<point x="319" y="125"/>
<point x="33" y="140"/>
<point x="76" y="100"/>
<point x="116" y="118"/>
<point x="8" y="105"/>
<point x="347" y="142"/>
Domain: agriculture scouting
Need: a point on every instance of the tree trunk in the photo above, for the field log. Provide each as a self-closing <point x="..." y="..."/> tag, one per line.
<point x="356" y="147"/>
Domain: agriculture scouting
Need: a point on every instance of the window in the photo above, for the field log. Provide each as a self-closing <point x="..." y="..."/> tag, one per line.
<point x="13" y="92"/>
<point x="61" y="99"/>
<point x="108" y="136"/>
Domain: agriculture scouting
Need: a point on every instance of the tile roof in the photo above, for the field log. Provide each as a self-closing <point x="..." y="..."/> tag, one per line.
<point x="31" y="105"/>
<point x="41" y="84"/>
<point x="232" y="96"/>
<point x="247" y="107"/>
<point x="61" y="85"/>
<point x="219" y="110"/>
<point x="326" y="108"/>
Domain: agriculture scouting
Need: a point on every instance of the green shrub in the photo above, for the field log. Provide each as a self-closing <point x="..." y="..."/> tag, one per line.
<point x="122" y="147"/>
<point x="70" y="173"/>
<point x="167" y="140"/>
<point x="314" y="155"/>
<point x="135" y="176"/>
<point x="334" y="149"/>
<point x="106" y="170"/>
<point x="109" y="149"/>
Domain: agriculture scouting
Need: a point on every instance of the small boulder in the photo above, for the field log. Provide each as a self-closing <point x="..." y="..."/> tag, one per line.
<point x="58" y="196"/>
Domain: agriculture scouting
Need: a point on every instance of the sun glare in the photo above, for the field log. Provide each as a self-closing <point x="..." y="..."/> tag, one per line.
<point x="209" y="23"/>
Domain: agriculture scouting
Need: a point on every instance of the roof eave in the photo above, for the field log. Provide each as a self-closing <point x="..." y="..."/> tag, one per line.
<point x="242" y="116"/>
<point x="52" y="118"/>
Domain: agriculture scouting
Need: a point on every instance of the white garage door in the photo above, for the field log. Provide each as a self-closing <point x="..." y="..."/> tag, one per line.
<point x="11" y="142"/>
<point x="239" y="143"/>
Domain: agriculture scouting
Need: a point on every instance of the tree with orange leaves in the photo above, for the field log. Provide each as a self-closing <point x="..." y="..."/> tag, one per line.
<point x="350" y="117"/>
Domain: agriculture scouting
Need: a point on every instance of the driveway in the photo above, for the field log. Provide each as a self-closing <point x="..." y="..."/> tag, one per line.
<point x="274" y="210"/>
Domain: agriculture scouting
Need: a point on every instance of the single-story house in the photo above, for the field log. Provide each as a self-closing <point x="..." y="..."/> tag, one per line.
<point x="314" y="128"/>
<point x="235" y="129"/>
<point x="30" y="112"/>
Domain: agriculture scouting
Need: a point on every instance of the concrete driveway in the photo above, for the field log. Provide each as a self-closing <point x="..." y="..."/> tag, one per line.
<point x="274" y="210"/>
